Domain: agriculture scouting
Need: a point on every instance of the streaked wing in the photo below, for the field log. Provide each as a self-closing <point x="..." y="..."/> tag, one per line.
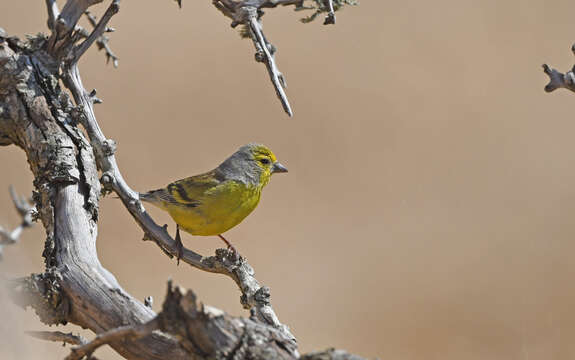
<point x="190" y="191"/>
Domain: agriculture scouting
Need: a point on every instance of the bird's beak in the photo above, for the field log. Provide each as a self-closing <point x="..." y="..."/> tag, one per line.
<point x="278" y="168"/>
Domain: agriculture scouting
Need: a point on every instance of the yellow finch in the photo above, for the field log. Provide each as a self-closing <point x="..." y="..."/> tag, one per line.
<point x="216" y="201"/>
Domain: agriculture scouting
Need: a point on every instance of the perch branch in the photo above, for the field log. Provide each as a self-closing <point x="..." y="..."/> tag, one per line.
<point x="25" y="209"/>
<point x="559" y="80"/>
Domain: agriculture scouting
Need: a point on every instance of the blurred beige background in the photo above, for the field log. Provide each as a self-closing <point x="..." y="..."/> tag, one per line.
<point x="428" y="209"/>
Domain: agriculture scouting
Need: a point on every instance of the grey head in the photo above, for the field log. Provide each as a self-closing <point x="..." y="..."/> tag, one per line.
<point x="251" y="164"/>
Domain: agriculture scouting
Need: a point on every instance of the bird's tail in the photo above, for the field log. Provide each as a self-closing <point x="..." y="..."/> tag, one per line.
<point x="154" y="197"/>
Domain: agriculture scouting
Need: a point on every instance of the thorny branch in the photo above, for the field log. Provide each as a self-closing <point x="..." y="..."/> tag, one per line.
<point x="103" y="40"/>
<point x="97" y="32"/>
<point x="559" y="80"/>
<point x="25" y="209"/>
<point x="249" y="13"/>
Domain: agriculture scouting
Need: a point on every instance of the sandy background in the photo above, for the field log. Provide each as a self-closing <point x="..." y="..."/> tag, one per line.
<point x="428" y="209"/>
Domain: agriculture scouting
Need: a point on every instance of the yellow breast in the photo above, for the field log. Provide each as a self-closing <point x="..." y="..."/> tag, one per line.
<point x="220" y="209"/>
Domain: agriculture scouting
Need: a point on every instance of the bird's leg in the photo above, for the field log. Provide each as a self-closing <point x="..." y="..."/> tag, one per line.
<point x="230" y="246"/>
<point x="179" y="245"/>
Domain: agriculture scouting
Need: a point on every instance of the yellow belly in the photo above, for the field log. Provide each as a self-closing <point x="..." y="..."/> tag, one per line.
<point x="219" y="210"/>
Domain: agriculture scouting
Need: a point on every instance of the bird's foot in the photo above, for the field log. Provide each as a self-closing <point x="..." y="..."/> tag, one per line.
<point x="230" y="246"/>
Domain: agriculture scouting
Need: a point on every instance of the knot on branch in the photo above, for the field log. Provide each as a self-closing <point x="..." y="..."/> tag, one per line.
<point x="43" y="293"/>
<point x="244" y="14"/>
<point x="107" y="181"/>
<point x="263" y="296"/>
<point x="109" y="147"/>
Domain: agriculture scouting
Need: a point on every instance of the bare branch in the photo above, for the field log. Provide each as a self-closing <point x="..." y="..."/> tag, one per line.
<point x="118" y="334"/>
<point x="97" y="33"/>
<point x="53" y="13"/>
<point x="265" y="53"/>
<point x="58" y="336"/>
<point x="73" y="10"/>
<point x="330" y="354"/>
<point x="249" y="14"/>
<point x="559" y="80"/>
<point x="63" y="36"/>
<point x="103" y="40"/>
<point x="25" y="209"/>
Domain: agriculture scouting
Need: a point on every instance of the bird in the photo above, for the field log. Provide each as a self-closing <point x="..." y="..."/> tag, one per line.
<point x="212" y="203"/>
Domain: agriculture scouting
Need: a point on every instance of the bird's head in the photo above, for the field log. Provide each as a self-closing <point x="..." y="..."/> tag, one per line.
<point x="253" y="163"/>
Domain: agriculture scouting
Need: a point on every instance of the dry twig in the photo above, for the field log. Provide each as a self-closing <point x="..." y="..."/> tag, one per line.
<point x="25" y="209"/>
<point x="249" y="13"/>
<point x="559" y="80"/>
<point x="58" y="336"/>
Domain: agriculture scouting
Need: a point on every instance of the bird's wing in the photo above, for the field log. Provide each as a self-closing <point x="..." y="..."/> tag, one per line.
<point x="190" y="191"/>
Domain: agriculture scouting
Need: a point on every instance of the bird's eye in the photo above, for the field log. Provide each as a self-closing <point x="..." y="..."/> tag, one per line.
<point x="265" y="161"/>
